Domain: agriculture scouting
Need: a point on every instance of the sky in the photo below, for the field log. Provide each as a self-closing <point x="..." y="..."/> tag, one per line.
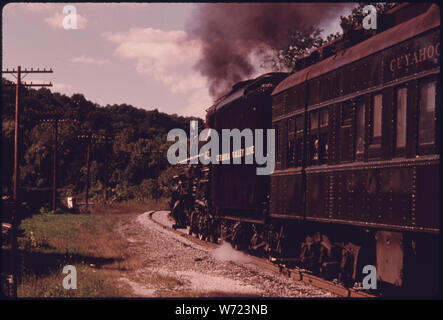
<point x="133" y="53"/>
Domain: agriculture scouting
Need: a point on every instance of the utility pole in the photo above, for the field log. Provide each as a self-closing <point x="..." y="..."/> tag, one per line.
<point x="18" y="74"/>
<point x="54" y="117"/>
<point x="87" y="137"/>
<point x="90" y="138"/>
<point x="88" y="157"/>
<point x="54" y="167"/>
<point x="106" y="137"/>
<point x="16" y="128"/>
<point x="106" y="169"/>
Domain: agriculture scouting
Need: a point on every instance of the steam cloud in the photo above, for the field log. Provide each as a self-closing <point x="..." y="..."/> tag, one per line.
<point x="225" y="252"/>
<point x="231" y="32"/>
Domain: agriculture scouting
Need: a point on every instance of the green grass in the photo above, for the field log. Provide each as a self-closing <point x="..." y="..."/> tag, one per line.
<point x="64" y="227"/>
<point x="89" y="241"/>
<point x="86" y="241"/>
<point x="90" y="283"/>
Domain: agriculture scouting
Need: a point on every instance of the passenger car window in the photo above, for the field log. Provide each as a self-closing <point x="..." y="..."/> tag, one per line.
<point x="313" y="143"/>
<point x="346" y="142"/>
<point x="291" y="143"/>
<point x="324" y="118"/>
<point x="314" y="120"/>
<point x="324" y="127"/>
<point x="377" y="107"/>
<point x="360" y="130"/>
<point x="401" y="117"/>
<point x="426" y="125"/>
<point x="299" y="124"/>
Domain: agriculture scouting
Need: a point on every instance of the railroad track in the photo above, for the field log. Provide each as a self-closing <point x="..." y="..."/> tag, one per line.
<point x="294" y="273"/>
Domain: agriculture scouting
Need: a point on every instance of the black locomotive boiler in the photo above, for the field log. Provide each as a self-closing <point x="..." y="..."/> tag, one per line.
<point x="356" y="179"/>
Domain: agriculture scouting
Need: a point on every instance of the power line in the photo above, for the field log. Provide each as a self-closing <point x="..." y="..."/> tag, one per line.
<point x="54" y="117"/>
<point x="89" y="138"/>
<point x="18" y="74"/>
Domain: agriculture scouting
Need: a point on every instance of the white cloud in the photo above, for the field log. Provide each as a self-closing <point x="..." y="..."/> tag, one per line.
<point x="89" y="60"/>
<point x="62" y="88"/>
<point x="198" y="101"/>
<point x="13" y="9"/>
<point x="58" y="86"/>
<point x="40" y="6"/>
<point x="56" y="20"/>
<point x="169" y="57"/>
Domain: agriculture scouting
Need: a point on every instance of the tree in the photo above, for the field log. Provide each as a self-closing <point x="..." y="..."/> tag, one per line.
<point x="355" y="19"/>
<point x="150" y="188"/>
<point x="135" y="153"/>
<point x="299" y="43"/>
<point x="302" y="42"/>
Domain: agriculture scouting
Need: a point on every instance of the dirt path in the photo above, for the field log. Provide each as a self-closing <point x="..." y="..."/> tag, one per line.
<point x="172" y="266"/>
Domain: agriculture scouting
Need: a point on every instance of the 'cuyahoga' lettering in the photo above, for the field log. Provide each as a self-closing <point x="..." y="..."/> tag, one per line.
<point x="415" y="57"/>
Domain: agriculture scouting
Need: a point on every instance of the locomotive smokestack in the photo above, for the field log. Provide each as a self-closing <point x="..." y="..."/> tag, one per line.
<point x="230" y="32"/>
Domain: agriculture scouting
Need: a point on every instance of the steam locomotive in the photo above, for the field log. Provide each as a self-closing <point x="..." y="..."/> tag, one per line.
<point x="356" y="179"/>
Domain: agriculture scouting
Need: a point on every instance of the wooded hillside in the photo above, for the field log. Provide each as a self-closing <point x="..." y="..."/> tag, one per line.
<point x="138" y="167"/>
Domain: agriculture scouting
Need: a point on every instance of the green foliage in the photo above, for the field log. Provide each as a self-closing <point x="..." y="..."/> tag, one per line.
<point x="63" y="227"/>
<point x="150" y="187"/>
<point x="299" y="43"/>
<point x="87" y="241"/>
<point x="355" y="19"/>
<point x="303" y="41"/>
<point x="164" y="181"/>
<point x="136" y="152"/>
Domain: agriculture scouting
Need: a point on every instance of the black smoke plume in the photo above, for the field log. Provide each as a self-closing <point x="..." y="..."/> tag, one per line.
<point x="230" y="32"/>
